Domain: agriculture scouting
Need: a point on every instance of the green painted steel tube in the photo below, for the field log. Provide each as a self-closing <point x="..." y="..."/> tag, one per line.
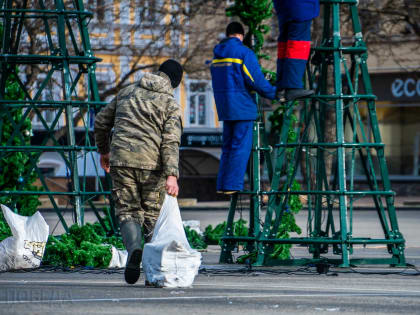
<point x="53" y="193"/>
<point x="238" y="238"/>
<point x="20" y="28"/>
<point x="51" y="105"/>
<point x="35" y="148"/>
<point x="267" y="153"/>
<point x="71" y="137"/>
<point x="320" y="192"/>
<point x="344" y="50"/>
<point x="332" y="241"/>
<point x="255" y="199"/>
<point x="339" y="111"/>
<point x="269" y="149"/>
<point x="332" y="145"/>
<point x="356" y="97"/>
<point x="37" y="16"/>
<point x="93" y="93"/>
<point x="37" y="59"/>
<point x="25" y="103"/>
<point x="315" y="240"/>
<point x="320" y="168"/>
<point x="353" y="261"/>
<point x="226" y="252"/>
<point x="49" y="12"/>
<point x="47" y="27"/>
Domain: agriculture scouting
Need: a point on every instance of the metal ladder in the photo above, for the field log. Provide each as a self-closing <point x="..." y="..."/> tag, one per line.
<point x="330" y="186"/>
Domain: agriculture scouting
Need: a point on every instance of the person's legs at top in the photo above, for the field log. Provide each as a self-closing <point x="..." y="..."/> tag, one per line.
<point x="294" y="59"/>
<point x="281" y="54"/>
<point x="236" y="150"/>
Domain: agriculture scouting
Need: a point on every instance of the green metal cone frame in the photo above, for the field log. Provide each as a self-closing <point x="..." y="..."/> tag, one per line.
<point x="69" y="63"/>
<point x="330" y="166"/>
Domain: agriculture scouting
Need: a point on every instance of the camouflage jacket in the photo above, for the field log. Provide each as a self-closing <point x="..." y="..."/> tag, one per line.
<point x="147" y="126"/>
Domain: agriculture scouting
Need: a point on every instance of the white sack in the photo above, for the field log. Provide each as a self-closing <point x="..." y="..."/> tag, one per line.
<point x="26" y="247"/>
<point x="118" y="259"/>
<point x="168" y="260"/>
<point x="193" y="225"/>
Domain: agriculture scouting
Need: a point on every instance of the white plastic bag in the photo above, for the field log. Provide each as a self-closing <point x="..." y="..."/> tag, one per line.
<point x="168" y="260"/>
<point x="193" y="225"/>
<point x="118" y="258"/>
<point x="26" y="247"/>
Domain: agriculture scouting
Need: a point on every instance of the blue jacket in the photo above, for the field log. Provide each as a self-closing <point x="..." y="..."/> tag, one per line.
<point x="297" y="10"/>
<point x="236" y="73"/>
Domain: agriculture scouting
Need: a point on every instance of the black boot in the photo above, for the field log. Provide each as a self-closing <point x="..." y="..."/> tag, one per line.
<point x="294" y="94"/>
<point x="131" y="234"/>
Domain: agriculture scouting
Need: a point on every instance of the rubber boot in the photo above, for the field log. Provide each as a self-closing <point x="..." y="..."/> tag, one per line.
<point x="131" y="234"/>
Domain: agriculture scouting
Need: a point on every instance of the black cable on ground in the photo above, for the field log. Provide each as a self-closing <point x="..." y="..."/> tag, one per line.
<point x="76" y="269"/>
<point x="315" y="270"/>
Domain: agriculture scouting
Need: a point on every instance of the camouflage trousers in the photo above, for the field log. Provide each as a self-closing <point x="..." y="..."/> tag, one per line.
<point x="138" y="195"/>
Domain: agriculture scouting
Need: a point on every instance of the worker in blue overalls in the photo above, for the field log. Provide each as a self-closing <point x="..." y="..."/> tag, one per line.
<point x="236" y="76"/>
<point x="294" y="45"/>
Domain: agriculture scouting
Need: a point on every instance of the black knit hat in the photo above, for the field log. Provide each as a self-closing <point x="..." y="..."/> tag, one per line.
<point x="234" y="28"/>
<point x="173" y="70"/>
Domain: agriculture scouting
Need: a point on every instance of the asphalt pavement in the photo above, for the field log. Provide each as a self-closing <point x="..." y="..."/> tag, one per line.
<point x="231" y="289"/>
<point x="218" y="290"/>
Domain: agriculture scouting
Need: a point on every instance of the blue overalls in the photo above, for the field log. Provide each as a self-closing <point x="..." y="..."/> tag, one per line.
<point x="294" y="41"/>
<point x="236" y="75"/>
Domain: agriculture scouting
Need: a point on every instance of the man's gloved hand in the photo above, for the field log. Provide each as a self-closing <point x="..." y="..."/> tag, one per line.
<point x="172" y="186"/>
<point x="281" y="95"/>
<point x="105" y="162"/>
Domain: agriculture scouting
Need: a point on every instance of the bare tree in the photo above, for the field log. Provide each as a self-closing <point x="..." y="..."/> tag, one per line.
<point x="183" y="30"/>
<point x="144" y="32"/>
<point x="391" y="30"/>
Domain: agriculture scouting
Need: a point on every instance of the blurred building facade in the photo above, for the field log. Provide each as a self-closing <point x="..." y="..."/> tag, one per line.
<point x="133" y="37"/>
<point x="129" y="36"/>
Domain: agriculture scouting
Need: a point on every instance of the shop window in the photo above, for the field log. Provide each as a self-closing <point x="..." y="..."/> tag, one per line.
<point x="199" y="110"/>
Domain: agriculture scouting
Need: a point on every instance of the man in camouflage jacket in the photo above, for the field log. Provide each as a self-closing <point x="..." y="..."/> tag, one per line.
<point x="143" y="156"/>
